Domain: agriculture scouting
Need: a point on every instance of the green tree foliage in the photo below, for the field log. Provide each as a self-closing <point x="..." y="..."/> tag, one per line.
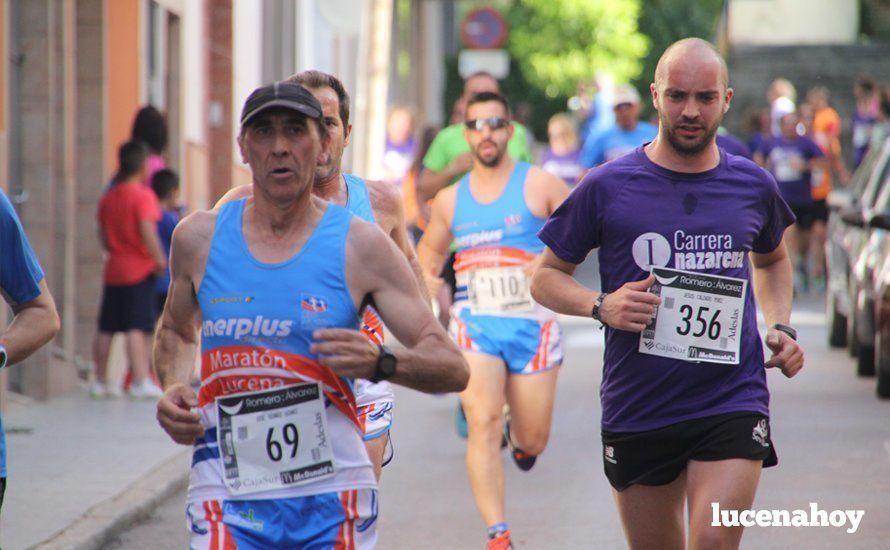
<point x="560" y="42"/>
<point x="665" y="22"/>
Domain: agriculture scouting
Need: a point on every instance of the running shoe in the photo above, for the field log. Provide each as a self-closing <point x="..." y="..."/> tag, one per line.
<point x="98" y="390"/>
<point x="523" y="460"/>
<point x="501" y="541"/>
<point x="460" y="422"/>
<point x="145" y="390"/>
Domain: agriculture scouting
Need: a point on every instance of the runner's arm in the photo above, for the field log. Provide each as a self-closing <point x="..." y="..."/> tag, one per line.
<point x="432" y="181"/>
<point x="772" y="278"/>
<point x="429" y="361"/>
<point x="432" y="250"/>
<point x="773" y="288"/>
<point x="554" y="287"/>
<point x="628" y="308"/>
<point x="34" y="323"/>
<point x="176" y="340"/>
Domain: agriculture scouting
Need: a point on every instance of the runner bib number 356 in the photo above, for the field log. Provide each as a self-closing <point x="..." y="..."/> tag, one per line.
<point x="499" y="290"/>
<point x="274" y="439"/>
<point x="699" y="319"/>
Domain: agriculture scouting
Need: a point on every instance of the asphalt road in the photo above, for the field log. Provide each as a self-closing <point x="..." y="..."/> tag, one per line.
<point x="831" y="433"/>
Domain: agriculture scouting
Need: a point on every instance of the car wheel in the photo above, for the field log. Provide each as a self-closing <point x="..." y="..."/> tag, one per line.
<point x="882" y="360"/>
<point x="852" y="341"/>
<point x="865" y="361"/>
<point x="837" y="326"/>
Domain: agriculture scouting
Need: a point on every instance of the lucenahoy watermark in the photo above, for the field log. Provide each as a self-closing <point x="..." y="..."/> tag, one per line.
<point x="814" y="517"/>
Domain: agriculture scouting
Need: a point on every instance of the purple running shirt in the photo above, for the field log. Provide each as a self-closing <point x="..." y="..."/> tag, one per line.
<point x="641" y="215"/>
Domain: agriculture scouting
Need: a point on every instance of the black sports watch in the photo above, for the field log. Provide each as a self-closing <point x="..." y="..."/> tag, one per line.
<point x="386" y="365"/>
<point x="597" y="307"/>
<point x="789" y="330"/>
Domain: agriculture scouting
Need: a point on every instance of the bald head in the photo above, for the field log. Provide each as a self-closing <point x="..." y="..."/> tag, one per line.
<point x="692" y="53"/>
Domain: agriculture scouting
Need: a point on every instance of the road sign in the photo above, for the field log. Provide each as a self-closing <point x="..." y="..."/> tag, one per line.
<point x="494" y="62"/>
<point x="484" y="29"/>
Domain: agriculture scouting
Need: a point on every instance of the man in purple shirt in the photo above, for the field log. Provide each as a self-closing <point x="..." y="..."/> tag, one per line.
<point x="681" y="227"/>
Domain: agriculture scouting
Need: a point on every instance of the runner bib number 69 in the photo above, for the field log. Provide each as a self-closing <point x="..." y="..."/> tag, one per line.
<point x="499" y="290"/>
<point x="699" y="319"/>
<point x="274" y="439"/>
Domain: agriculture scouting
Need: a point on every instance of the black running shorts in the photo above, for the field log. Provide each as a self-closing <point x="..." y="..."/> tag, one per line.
<point x="128" y="307"/>
<point x="657" y="457"/>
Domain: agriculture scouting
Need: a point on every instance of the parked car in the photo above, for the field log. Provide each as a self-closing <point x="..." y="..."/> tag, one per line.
<point x="867" y="240"/>
<point x="843" y="237"/>
<point x="882" y="311"/>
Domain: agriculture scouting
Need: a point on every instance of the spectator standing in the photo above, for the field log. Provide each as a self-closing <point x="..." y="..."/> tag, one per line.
<point x="150" y="128"/>
<point x="628" y="134"/>
<point x="165" y="184"/>
<point x="400" y="145"/>
<point x="128" y="216"/>
<point x="35" y="321"/>
<point x="865" y="90"/>
<point x="792" y="158"/>
<point x="562" y="157"/>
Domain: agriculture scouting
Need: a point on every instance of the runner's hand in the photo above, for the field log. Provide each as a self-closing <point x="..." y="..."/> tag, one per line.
<point x="461" y="164"/>
<point x="631" y="306"/>
<point x="787" y="354"/>
<point x="175" y="416"/>
<point x="347" y="352"/>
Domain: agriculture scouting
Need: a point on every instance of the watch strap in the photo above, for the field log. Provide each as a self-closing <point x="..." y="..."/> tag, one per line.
<point x="787" y="329"/>
<point x="597" y="306"/>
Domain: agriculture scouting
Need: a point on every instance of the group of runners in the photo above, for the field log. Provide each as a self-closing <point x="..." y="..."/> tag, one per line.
<point x="284" y="287"/>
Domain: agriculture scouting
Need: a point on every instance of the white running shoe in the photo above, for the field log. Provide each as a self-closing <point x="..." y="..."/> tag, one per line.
<point x="114" y="391"/>
<point x="98" y="390"/>
<point x="145" y="390"/>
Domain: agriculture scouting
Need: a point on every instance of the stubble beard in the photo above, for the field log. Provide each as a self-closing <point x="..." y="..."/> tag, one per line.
<point x="689" y="148"/>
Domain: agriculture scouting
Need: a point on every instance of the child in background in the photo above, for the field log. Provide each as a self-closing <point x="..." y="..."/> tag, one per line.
<point x="165" y="184"/>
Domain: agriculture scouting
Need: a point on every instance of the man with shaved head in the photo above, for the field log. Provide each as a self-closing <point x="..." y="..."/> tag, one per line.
<point x="688" y="236"/>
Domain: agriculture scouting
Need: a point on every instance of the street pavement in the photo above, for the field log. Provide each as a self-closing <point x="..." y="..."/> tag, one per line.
<point x="831" y="433"/>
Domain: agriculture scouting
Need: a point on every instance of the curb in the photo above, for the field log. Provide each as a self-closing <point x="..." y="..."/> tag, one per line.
<point x="107" y="519"/>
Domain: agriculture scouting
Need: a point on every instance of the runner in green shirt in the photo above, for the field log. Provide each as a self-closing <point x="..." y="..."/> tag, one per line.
<point x="449" y="156"/>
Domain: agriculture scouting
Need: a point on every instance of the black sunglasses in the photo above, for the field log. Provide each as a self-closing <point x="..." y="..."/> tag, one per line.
<point x="495" y="123"/>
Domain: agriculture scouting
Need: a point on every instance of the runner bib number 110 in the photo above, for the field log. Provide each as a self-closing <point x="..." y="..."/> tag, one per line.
<point x="274" y="439"/>
<point x="699" y="319"/>
<point x="498" y="291"/>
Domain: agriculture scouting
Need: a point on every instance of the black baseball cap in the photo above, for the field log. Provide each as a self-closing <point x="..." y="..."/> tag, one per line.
<point x="288" y="95"/>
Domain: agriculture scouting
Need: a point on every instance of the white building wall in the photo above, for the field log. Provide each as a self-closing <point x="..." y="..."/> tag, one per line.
<point x="247" y="51"/>
<point x="787" y="22"/>
<point x="194" y="71"/>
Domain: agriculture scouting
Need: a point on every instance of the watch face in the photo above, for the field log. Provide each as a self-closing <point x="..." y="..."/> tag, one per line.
<point x="388" y="364"/>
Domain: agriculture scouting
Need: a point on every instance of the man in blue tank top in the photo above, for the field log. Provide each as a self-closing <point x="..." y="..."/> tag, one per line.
<point x="511" y="343"/>
<point x="687" y="237"/>
<point x="274" y="285"/>
<point x="375" y="202"/>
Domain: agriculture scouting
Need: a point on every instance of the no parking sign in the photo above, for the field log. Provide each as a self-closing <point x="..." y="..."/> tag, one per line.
<point x="483" y="29"/>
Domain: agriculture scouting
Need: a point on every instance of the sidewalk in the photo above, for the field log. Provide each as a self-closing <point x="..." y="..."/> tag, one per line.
<point x="79" y="467"/>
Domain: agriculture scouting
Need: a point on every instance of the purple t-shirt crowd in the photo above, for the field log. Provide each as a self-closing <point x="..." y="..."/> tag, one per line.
<point x="641" y="215"/>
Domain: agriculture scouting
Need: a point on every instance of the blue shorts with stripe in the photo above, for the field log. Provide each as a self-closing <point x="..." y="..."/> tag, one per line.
<point x="344" y="520"/>
<point x="527" y="346"/>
